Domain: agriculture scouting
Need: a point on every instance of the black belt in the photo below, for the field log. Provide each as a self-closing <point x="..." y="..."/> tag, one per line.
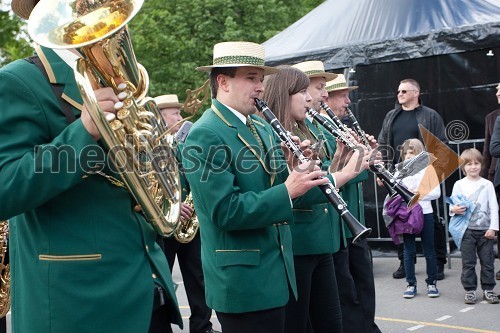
<point x="159" y="297"/>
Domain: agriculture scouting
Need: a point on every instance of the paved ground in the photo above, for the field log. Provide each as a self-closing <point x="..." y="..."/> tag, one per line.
<point x="446" y="314"/>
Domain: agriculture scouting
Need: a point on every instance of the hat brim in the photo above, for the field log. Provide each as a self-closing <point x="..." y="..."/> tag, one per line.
<point x="351" y="88"/>
<point x="23" y="8"/>
<point x="169" y="105"/>
<point x="328" y="76"/>
<point x="267" y="69"/>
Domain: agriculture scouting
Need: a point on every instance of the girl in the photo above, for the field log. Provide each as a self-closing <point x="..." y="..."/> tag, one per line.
<point x="426" y="183"/>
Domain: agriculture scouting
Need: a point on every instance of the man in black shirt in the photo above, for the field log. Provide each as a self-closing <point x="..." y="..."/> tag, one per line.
<point x="401" y="124"/>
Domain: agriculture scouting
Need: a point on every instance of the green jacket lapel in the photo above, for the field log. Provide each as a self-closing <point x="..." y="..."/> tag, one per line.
<point x="243" y="132"/>
<point x="60" y="73"/>
<point x="270" y="146"/>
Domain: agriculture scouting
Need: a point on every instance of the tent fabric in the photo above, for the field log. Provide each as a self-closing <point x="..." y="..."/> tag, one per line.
<point x="359" y="32"/>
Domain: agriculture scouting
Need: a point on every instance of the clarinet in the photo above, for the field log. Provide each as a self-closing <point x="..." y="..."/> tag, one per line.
<point x="358" y="230"/>
<point x="341" y="126"/>
<point x="361" y="133"/>
<point x="357" y="128"/>
<point x="393" y="185"/>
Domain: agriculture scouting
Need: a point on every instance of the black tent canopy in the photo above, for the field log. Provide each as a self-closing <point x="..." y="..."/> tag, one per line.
<point x="451" y="47"/>
<point x="349" y="33"/>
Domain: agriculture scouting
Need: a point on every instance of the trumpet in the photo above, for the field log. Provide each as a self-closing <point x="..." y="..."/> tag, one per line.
<point x="393" y="184"/>
<point x="358" y="230"/>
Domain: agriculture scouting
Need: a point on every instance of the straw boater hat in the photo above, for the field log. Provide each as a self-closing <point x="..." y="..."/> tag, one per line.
<point x="239" y="54"/>
<point x="23" y="8"/>
<point x="315" y="68"/>
<point x="339" y="83"/>
<point x="167" y="101"/>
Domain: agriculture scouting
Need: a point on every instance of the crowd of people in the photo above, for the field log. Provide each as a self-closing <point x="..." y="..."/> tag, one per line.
<point x="272" y="254"/>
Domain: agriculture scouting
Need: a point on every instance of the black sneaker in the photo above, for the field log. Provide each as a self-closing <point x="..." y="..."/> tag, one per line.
<point x="497" y="276"/>
<point x="400" y="272"/>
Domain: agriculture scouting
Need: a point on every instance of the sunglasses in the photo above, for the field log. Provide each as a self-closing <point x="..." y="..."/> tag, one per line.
<point x="403" y="91"/>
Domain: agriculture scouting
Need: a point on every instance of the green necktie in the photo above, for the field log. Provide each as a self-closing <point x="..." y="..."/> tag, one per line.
<point x="252" y="128"/>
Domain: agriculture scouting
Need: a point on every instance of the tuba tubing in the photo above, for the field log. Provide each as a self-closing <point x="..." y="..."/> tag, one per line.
<point x="358" y="230"/>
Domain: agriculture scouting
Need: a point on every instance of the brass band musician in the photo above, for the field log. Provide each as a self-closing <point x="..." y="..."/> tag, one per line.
<point x="82" y="259"/>
<point x="188" y="252"/>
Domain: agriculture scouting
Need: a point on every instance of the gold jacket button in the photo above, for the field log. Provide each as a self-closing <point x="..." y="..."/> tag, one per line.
<point x="137" y="208"/>
<point x="281" y="248"/>
<point x="326" y="210"/>
<point x="147" y="248"/>
<point x="154" y="276"/>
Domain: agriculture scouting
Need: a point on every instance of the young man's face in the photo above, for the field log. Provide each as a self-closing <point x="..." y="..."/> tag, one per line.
<point x="318" y="92"/>
<point x="241" y="90"/>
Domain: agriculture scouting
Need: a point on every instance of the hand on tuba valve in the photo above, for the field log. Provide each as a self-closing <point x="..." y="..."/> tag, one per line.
<point x="188" y="227"/>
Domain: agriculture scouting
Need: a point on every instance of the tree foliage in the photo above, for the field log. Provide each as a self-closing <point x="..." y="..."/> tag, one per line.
<point x="12" y="44"/>
<point x="172" y="38"/>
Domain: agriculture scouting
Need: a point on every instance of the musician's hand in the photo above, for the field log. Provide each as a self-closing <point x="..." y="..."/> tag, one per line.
<point x="290" y="158"/>
<point x="375" y="157"/>
<point x="106" y="98"/>
<point x="304" y="177"/>
<point x="373" y="142"/>
<point x="186" y="211"/>
<point x="359" y="161"/>
<point x="340" y="158"/>
<point x="379" y="182"/>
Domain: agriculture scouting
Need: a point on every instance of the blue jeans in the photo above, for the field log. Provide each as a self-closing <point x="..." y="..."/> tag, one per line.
<point x="427" y="238"/>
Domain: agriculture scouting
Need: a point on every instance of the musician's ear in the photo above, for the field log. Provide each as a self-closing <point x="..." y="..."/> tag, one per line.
<point x="223" y="82"/>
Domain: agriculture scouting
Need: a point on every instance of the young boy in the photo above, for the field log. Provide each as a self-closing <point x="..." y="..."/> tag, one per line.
<point x="480" y="232"/>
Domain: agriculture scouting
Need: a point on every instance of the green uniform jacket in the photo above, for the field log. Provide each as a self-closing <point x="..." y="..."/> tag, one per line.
<point x="244" y="211"/>
<point x="82" y="259"/>
<point x="317" y="228"/>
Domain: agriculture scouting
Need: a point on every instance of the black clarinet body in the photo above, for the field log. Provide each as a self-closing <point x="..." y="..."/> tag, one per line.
<point x="358" y="231"/>
<point x="390" y="182"/>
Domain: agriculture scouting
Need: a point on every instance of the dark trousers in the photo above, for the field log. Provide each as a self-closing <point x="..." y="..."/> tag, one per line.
<point x="439" y="241"/>
<point x="474" y="243"/>
<point x="439" y="244"/>
<point x="189" y="258"/>
<point x="354" y="272"/>
<point x="265" y="321"/>
<point x="318" y="303"/>
<point x="160" y="321"/>
<point x="427" y="240"/>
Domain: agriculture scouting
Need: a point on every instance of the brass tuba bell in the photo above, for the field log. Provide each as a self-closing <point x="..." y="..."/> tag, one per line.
<point x="140" y="146"/>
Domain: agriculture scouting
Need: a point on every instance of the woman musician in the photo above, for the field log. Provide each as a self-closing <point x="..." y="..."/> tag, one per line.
<point x="316" y="232"/>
